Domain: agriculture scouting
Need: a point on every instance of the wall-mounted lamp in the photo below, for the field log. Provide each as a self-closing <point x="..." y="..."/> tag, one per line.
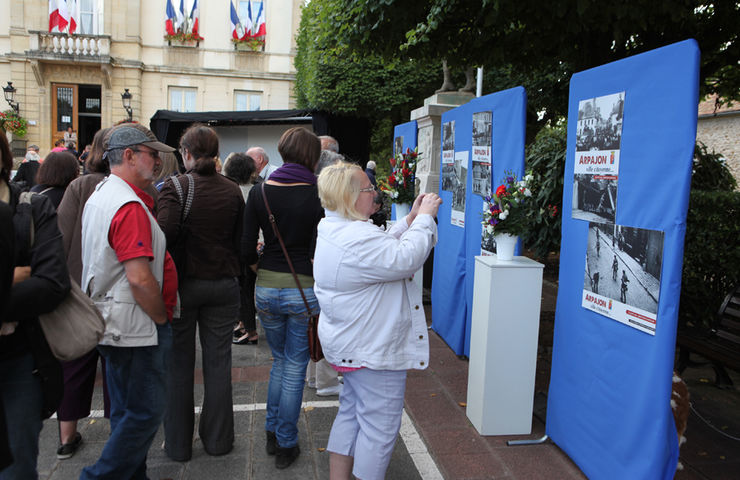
<point x="9" y="92"/>
<point x="126" y="100"/>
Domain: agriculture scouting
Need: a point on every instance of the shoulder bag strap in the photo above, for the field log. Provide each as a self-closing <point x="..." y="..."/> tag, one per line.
<point x="188" y="202"/>
<point x="282" y="245"/>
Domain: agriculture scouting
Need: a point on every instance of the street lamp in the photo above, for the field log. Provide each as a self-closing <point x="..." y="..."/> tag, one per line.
<point x="9" y="92"/>
<point x="126" y="100"/>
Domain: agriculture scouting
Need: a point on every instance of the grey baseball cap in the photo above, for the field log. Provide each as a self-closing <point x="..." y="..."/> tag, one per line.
<point x="125" y="136"/>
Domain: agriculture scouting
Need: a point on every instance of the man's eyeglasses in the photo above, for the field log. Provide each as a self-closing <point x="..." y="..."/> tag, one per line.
<point x="368" y="189"/>
<point x="152" y="153"/>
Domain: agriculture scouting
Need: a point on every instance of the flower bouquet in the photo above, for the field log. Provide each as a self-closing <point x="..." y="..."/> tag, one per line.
<point x="400" y="184"/>
<point x="508" y="210"/>
<point x="13" y="123"/>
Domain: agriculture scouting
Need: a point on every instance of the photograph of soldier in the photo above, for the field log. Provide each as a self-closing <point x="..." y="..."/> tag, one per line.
<point x="482" y="141"/>
<point x="633" y="256"/>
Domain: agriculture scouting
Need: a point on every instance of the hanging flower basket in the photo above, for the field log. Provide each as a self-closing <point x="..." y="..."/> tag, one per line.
<point x="183" y="39"/>
<point x="251" y="44"/>
<point x="13" y="123"/>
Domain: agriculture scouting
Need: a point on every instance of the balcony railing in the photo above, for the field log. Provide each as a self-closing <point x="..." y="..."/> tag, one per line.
<point x="92" y="47"/>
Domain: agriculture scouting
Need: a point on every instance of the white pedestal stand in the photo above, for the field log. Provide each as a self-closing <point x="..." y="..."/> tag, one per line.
<point x="503" y="345"/>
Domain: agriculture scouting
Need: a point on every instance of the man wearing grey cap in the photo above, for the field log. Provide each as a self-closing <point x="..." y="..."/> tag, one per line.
<point x="128" y="273"/>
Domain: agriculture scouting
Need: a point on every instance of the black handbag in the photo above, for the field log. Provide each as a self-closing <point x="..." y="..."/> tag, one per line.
<point x="314" y="345"/>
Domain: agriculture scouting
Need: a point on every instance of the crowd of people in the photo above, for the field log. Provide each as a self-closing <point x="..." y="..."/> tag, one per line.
<point x="164" y="251"/>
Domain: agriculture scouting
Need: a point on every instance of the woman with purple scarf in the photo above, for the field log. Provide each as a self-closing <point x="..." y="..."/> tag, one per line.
<point x="293" y="199"/>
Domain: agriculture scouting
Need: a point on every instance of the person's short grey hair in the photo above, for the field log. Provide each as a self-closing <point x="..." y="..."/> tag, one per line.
<point x="329" y="143"/>
<point x="114" y="157"/>
<point x="34" y="147"/>
<point x="327" y="158"/>
<point x="260" y="151"/>
<point x="371" y="165"/>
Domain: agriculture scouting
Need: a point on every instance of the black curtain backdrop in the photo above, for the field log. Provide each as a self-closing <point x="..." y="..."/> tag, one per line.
<point x="352" y="133"/>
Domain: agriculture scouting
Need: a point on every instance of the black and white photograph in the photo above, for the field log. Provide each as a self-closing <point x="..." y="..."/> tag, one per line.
<point x="458" y="191"/>
<point x="482" y="141"/>
<point x="600" y="123"/>
<point x="448" y="136"/>
<point x="487" y="243"/>
<point x="595" y="197"/>
<point x="449" y="180"/>
<point x="397" y="146"/>
<point x="622" y="275"/>
<point x="596" y="169"/>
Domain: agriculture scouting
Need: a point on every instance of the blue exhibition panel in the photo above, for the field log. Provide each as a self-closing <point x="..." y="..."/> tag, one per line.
<point x="454" y="255"/>
<point x="408" y="132"/>
<point x="608" y="404"/>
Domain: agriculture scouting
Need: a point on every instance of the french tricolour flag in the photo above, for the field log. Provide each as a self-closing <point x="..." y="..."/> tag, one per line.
<point x="169" y="24"/>
<point x="74" y="14"/>
<point x="194" y="17"/>
<point x="58" y="15"/>
<point x="258" y="22"/>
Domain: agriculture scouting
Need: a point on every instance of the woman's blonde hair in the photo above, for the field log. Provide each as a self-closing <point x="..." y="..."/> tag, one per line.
<point x="339" y="189"/>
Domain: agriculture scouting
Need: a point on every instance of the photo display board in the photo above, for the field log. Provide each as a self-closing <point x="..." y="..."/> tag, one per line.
<point x="495" y="122"/>
<point x="631" y="134"/>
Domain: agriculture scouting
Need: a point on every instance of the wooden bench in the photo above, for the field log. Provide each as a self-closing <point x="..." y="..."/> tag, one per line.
<point x="720" y="344"/>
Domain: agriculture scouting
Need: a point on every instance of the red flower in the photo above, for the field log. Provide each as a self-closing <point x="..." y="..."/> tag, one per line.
<point x="392" y="180"/>
<point x="501" y="191"/>
<point x="393" y="162"/>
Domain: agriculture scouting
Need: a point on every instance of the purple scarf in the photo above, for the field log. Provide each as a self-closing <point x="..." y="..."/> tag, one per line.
<point x="293" y="173"/>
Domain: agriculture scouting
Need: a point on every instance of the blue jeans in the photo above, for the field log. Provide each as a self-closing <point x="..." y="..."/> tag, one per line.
<point x="285" y="320"/>
<point x="22" y="398"/>
<point x="136" y="383"/>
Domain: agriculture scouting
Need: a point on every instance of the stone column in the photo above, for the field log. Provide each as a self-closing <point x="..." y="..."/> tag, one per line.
<point x="429" y="137"/>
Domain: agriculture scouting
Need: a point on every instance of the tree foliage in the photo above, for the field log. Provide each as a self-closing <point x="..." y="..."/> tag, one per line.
<point x="333" y="78"/>
<point x="532" y="36"/>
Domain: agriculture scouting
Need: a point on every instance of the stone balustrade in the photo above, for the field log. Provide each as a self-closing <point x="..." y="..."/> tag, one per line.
<point x="86" y="46"/>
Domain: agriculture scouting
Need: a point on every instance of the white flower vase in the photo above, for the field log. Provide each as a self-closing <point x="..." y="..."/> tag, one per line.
<point x="402" y="209"/>
<point x="505" y="244"/>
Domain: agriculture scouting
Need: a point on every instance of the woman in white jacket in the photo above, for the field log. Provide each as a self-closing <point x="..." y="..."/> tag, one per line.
<point x="372" y="326"/>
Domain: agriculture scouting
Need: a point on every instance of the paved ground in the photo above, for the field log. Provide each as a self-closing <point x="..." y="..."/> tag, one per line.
<point x="437" y="440"/>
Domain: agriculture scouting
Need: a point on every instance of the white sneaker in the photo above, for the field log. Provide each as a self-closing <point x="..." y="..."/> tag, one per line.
<point x="329" y="391"/>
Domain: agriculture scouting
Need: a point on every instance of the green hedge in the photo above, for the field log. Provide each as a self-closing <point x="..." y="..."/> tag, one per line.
<point x="711" y="263"/>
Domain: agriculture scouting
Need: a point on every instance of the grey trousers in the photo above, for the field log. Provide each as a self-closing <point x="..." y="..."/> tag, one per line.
<point x="212" y="305"/>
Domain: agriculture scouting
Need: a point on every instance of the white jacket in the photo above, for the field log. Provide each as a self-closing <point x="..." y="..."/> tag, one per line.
<point x="371" y="311"/>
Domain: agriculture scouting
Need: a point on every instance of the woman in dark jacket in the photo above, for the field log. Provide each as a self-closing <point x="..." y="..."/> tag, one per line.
<point x="209" y="292"/>
<point x="40" y="283"/>
<point x="293" y="199"/>
<point x="79" y="374"/>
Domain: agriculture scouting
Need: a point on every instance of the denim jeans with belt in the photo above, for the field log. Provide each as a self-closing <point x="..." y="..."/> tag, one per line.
<point x="285" y="320"/>
<point x="137" y="378"/>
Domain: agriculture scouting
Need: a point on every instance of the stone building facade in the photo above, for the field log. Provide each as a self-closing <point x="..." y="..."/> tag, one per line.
<point x="719" y="130"/>
<point x="77" y="80"/>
